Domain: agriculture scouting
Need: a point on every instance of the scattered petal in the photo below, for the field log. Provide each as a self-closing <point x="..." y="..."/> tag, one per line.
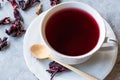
<point x="17" y="15"/>
<point x="54" y="2"/>
<point x="22" y="4"/>
<point x="14" y="4"/>
<point x="5" y="21"/>
<point x="0" y="5"/>
<point x="55" y="68"/>
<point x="3" y="43"/>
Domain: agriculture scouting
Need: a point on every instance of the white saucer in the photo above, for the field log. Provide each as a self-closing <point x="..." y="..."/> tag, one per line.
<point x="99" y="65"/>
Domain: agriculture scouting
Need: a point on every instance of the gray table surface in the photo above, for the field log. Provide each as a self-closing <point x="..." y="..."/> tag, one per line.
<point x="12" y="63"/>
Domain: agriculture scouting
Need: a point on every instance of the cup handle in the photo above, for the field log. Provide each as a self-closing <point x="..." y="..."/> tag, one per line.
<point x="109" y="42"/>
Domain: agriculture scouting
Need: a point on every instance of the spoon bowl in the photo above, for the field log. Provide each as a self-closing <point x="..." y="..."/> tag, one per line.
<point x="39" y="51"/>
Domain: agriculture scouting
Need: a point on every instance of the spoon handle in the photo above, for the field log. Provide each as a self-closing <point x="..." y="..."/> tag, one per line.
<point x="74" y="69"/>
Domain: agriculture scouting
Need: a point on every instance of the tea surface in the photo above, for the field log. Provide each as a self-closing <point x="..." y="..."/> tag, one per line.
<point x="72" y="32"/>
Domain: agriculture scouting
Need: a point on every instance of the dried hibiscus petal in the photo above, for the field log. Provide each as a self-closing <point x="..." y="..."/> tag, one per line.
<point x="25" y="5"/>
<point x="22" y="4"/>
<point x="5" y="21"/>
<point x="3" y="43"/>
<point x="17" y="15"/>
<point x="54" y="2"/>
<point x="16" y="29"/>
<point x="14" y="4"/>
<point x="0" y="5"/>
<point x="55" y="68"/>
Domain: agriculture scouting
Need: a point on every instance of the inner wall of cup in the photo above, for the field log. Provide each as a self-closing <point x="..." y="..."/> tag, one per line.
<point x="83" y="7"/>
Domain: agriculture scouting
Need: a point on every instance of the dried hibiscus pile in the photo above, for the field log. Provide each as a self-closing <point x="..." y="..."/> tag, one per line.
<point x="24" y="5"/>
<point x="16" y="28"/>
<point x="55" y="68"/>
<point x="29" y="3"/>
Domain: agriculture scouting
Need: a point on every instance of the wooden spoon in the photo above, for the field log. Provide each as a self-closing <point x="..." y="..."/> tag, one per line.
<point x="40" y="52"/>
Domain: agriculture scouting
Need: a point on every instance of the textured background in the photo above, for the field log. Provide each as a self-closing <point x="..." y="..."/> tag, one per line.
<point x="12" y="64"/>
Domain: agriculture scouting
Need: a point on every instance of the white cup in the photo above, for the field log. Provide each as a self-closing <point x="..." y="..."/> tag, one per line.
<point x="74" y="59"/>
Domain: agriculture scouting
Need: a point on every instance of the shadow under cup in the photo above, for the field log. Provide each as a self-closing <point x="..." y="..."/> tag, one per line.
<point x="73" y="31"/>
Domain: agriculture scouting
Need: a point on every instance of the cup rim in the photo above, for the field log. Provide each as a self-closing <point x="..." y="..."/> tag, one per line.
<point x="79" y="56"/>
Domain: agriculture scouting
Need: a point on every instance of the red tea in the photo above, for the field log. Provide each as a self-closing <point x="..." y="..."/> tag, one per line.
<point x="72" y="32"/>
